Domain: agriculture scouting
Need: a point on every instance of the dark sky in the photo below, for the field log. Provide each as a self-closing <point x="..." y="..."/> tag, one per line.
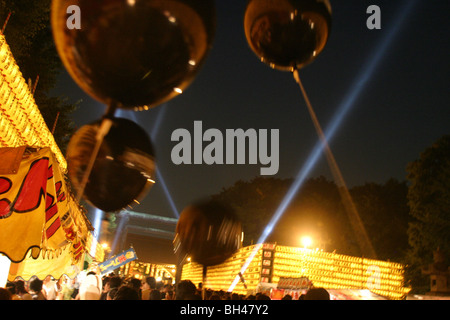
<point x="400" y="75"/>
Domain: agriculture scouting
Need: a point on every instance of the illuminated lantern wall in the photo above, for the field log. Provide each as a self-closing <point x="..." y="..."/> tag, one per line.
<point x="337" y="271"/>
<point x="21" y="122"/>
<point x="323" y="269"/>
<point x="142" y="270"/>
<point x="220" y="277"/>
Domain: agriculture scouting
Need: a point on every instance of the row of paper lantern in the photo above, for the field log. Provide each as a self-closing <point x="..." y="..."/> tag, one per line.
<point x="21" y="122"/>
<point x="335" y="265"/>
<point x="354" y="276"/>
<point x="332" y="258"/>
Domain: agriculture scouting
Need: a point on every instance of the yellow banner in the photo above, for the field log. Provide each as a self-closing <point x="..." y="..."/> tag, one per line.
<point x="42" y="267"/>
<point x="35" y="212"/>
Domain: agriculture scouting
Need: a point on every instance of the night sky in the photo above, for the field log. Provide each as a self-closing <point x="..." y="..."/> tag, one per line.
<point x="398" y="75"/>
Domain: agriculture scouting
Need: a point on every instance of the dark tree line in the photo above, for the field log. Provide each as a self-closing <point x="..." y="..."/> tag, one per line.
<point x="317" y="211"/>
<point x="429" y="204"/>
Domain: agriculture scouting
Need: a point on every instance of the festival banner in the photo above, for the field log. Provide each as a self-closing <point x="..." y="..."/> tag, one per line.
<point x="42" y="267"/>
<point x="35" y="213"/>
<point x="117" y="261"/>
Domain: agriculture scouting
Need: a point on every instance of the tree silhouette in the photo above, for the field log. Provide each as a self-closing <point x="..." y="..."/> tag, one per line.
<point x="317" y="211"/>
<point x="385" y="214"/>
<point x="429" y="203"/>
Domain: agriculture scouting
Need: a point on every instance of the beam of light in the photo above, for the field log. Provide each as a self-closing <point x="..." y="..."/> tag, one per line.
<point x="146" y="216"/>
<point x="123" y="221"/>
<point x="161" y="111"/>
<point x="301" y="177"/>
<point x="350" y="208"/>
<point x="98" y="215"/>
<point x="124" y="217"/>
<point x="160" y="179"/>
<point x="131" y="115"/>
<point x="128" y="114"/>
<point x="349" y="100"/>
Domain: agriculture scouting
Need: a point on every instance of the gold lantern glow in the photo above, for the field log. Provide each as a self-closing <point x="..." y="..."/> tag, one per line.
<point x="21" y="122"/>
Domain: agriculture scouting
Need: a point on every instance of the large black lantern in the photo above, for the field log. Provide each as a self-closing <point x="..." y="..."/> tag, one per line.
<point x="287" y="34"/>
<point x="122" y="171"/>
<point x="134" y="53"/>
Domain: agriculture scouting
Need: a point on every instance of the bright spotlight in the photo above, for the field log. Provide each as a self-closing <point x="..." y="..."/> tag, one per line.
<point x="153" y="134"/>
<point x="172" y="204"/>
<point x="98" y="215"/>
<point x="306" y="242"/>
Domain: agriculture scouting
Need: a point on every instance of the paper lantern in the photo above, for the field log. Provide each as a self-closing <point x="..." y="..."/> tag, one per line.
<point x="209" y="232"/>
<point x="287" y="34"/>
<point x="134" y="53"/>
<point x="123" y="170"/>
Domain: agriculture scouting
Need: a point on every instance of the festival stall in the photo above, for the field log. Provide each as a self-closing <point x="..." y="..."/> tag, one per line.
<point x="43" y="229"/>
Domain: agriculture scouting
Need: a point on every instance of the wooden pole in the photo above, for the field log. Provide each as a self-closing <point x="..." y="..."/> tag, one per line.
<point x="204" y="280"/>
<point x="54" y="124"/>
<point x="6" y="22"/>
<point x="35" y="85"/>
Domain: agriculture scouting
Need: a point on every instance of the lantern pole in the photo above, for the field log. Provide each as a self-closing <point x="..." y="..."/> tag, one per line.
<point x="347" y="200"/>
<point x="103" y="130"/>
<point x="204" y="278"/>
<point x="6" y="22"/>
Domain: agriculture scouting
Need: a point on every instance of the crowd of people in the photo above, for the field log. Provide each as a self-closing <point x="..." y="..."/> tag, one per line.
<point x="114" y="287"/>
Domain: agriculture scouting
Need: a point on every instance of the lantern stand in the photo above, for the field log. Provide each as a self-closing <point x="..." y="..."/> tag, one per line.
<point x="204" y="278"/>
<point x="103" y="130"/>
<point x="180" y="263"/>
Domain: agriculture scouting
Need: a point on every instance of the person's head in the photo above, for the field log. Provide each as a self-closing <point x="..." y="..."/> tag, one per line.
<point x="317" y="294"/>
<point x="151" y="281"/>
<point x="20" y="287"/>
<point x="155" y="295"/>
<point x="262" y="296"/>
<point x="111" y="294"/>
<point x="214" y="296"/>
<point x="135" y="284"/>
<point x="126" y="293"/>
<point x="91" y="288"/>
<point x="169" y="295"/>
<point x="36" y="285"/>
<point x="115" y="282"/>
<point x="105" y="282"/>
<point x="235" y="296"/>
<point x="186" y="290"/>
<point x="48" y="279"/>
<point x="11" y="286"/>
<point x="5" y="294"/>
